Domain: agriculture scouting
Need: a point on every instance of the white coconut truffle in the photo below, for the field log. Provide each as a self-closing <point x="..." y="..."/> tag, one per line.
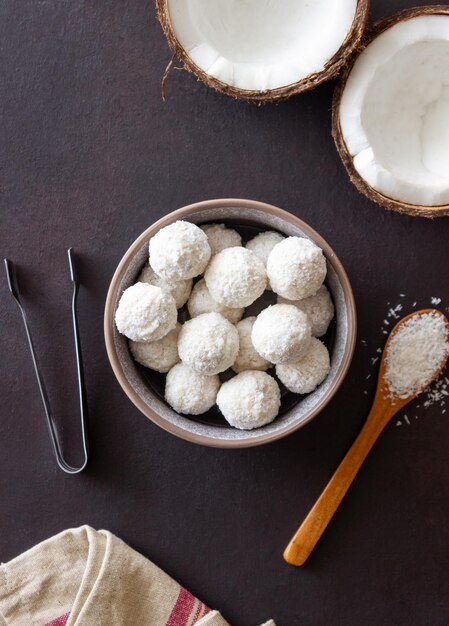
<point x="249" y="400"/>
<point x="221" y="237"/>
<point x="318" y="308"/>
<point x="281" y="333"/>
<point x="179" y="289"/>
<point x="209" y="343"/>
<point x="179" y="251"/>
<point x="296" y="268"/>
<point x="236" y="277"/>
<point x="262" y="245"/>
<point x="201" y="301"/>
<point x="305" y="375"/>
<point x="248" y="358"/>
<point x="158" y="355"/>
<point x="189" y="392"/>
<point x="145" y="313"/>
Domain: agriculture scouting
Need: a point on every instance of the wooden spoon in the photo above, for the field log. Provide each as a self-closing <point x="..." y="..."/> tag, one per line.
<point x="383" y="409"/>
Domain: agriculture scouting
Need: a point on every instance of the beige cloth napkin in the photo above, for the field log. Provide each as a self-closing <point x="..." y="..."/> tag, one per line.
<point x="84" y="577"/>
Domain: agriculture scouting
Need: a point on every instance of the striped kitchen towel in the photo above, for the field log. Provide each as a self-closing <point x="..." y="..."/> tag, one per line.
<point x="84" y="577"/>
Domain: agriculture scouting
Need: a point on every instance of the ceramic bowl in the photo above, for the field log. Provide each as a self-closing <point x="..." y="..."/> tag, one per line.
<point x="145" y="388"/>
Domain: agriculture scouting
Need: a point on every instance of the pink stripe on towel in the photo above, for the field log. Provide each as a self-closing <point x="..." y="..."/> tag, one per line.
<point x="183" y="608"/>
<point x="59" y="621"/>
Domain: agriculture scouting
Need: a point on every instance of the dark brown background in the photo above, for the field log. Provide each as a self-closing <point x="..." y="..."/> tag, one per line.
<point x="90" y="156"/>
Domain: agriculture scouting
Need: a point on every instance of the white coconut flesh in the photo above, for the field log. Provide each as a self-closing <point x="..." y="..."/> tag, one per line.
<point x="260" y="45"/>
<point x="394" y="112"/>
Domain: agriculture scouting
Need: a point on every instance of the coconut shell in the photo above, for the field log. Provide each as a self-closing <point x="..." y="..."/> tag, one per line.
<point x="332" y="67"/>
<point x="389" y="203"/>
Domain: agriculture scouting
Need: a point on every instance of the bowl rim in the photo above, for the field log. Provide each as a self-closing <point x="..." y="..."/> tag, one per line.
<point x="182" y="213"/>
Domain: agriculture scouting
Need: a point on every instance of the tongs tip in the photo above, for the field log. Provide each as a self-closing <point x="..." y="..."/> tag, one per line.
<point x="73" y="276"/>
<point x="11" y="278"/>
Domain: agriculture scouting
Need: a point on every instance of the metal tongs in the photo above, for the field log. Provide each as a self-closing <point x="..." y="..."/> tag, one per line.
<point x="14" y="289"/>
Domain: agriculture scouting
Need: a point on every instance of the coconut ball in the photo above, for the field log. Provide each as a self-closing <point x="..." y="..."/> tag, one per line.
<point x="305" y="375"/>
<point x="296" y="268"/>
<point x="179" y="251"/>
<point x="249" y="400"/>
<point x="236" y="277"/>
<point x="209" y="343"/>
<point x="221" y="237"/>
<point x="179" y="289"/>
<point x="281" y="333"/>
<point x="248" y="358"/>
<point x="189" y="392"/>
<point x="262" y="245"/>
<point x="158" y="355"/>
<point x="318" y="308"/>
<point x="145" y="313"/>
<point x="201" y="301"/>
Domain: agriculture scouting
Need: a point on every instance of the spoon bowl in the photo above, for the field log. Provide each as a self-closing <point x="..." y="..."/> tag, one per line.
<point x="382" y="390"/>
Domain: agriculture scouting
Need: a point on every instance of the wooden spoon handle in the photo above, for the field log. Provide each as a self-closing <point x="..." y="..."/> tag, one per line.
<point x="307" y="535"/>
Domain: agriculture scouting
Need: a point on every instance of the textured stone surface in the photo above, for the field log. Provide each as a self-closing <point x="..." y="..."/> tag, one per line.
<point x="90" y="156"/>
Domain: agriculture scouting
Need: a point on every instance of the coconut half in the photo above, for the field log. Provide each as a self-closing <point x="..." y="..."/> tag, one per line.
<point x="391" y="113"/>
<point x="263" y="49"/>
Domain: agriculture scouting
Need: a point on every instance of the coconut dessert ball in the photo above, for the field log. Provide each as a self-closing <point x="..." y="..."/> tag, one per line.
<point x="296" y="268"/>
<point x="158" y="355"/>
<point x="249" y="400"/>
<point x="318" y="308"/>
<point x="189" y="392"/>
<point x="262" y="245"/>
<point x="305" y="375"/>
<point x="236" y="277"/>
<point x="179" y="289"/>
<point x="248" y="358"/>
<point x="221" y="237"/>
<point x="209" y="343"/>
<point x="281" y="333"/>
<point x="145" y="313"/>
<point x="201" y="302"/>
<point x="179" y="251"/>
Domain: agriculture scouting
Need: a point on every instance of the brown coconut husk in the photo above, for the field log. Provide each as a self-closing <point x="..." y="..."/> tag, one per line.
<point x="389" y="203"/>
<point x="332" y="67"/>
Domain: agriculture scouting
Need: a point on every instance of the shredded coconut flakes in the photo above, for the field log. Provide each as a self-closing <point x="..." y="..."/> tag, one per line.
<point x="414" y="354"/>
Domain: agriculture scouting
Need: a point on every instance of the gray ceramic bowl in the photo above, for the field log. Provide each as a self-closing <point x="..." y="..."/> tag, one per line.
<point x="145" y="387"/>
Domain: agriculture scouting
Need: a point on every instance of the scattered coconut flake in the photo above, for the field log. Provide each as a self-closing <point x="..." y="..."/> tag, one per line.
<point x="393" y="312"/>
<point x="414" y="354"/>
<point x="435" y="300"/>
<point x="437" y="393"/>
